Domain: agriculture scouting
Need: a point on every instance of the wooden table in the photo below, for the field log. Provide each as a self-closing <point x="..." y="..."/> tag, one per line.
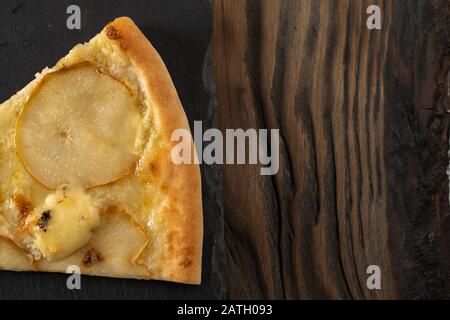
<point x="364" y="125"/>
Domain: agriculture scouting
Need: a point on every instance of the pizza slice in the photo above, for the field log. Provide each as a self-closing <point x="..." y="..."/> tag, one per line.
<point x="86" y="176"/>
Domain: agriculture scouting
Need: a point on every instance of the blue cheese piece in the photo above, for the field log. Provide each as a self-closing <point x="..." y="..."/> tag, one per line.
<point x="64" y="223"/>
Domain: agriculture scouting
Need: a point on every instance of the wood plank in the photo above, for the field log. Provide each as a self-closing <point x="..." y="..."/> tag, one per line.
<point x="364" y="128"/>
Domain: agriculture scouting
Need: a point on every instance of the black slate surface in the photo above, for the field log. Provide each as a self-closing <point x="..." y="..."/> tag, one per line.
<point x="33" y="34"/>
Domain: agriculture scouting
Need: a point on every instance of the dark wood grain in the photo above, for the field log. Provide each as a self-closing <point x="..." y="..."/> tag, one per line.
<point x="364" y="126"/>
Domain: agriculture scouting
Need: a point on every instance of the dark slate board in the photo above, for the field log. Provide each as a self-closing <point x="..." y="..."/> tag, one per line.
<point x="33" y="35"/>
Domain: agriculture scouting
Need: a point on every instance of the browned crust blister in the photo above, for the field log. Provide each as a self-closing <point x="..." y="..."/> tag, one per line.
<point x="181" y="183"/>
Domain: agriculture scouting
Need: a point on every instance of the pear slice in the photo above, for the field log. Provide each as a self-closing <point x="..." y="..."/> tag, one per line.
<point x="12" y="257"/>
<point x="78" y="125"/>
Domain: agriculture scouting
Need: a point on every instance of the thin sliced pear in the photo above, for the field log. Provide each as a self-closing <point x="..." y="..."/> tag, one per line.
<point x="78" y="125"/>
<point x="12" y="257"/>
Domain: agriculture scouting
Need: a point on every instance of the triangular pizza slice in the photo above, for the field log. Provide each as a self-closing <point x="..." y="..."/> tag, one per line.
<point x="86" y="174"/>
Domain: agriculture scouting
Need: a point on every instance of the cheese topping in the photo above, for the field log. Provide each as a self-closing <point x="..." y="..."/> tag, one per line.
<point x="65" y="223"/>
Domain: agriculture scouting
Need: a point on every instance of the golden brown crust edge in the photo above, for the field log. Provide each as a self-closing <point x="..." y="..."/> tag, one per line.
<point x="181" y="183"/>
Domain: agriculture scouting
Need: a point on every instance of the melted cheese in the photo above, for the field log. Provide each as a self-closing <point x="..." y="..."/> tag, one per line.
<point x="65" y="223"/>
